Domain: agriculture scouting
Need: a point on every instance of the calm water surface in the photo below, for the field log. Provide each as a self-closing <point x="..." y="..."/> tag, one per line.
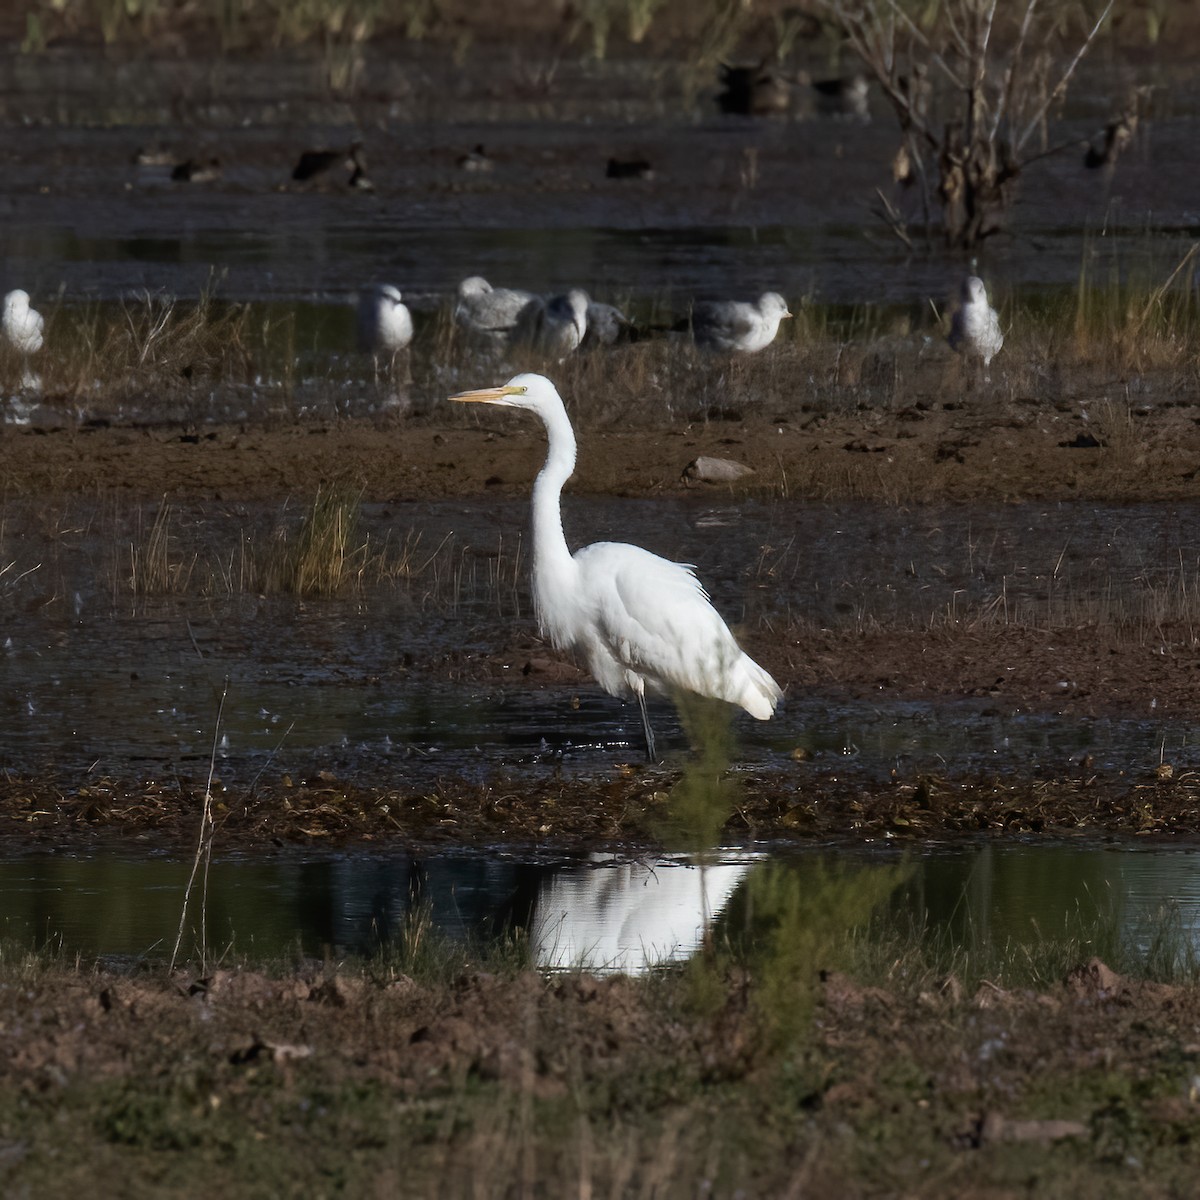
<point x="600" y="911"/>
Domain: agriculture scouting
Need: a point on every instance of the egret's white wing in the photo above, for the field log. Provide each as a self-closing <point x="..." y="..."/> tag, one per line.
<point x="653" y="618"/>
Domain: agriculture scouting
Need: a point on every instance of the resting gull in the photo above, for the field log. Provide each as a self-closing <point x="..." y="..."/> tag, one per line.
<point x="488" y="311"/>
<point x="730" y="325"/>
<point x="606" y="325"/>
<point x="384" y="322"/>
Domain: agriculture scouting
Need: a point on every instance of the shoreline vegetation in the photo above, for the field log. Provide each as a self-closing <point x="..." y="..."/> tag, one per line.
<point x="848" y="1065"/>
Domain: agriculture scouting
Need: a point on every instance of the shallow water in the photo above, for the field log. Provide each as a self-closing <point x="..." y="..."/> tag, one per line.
<point x="736" y="206"/>
<point x="599" y="911"/>
<point x="407" y="680"/>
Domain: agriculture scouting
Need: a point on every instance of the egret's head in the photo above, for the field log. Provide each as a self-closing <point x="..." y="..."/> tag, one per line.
<point x="772" y="304"/>
<point x="385" y="291"/>
<point x="16" y="301"/>
<point x="522" y="391"/>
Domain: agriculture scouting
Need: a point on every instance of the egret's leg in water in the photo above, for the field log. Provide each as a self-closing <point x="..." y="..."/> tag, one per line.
<point x="651" y="757"/>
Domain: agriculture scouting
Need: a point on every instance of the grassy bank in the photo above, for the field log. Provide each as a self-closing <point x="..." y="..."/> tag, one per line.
<point x="807" y="1060"/>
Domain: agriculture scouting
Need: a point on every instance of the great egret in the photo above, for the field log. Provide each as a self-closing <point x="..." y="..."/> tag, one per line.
<point x="975" y="327"/>
<point x="489" y="311"/>
<point x="555" y="326"/>
<point x="636" y="619"/>
<point x="734" y="325"/>
<point x="384" y="322"/>
<point x="21" y="324"/>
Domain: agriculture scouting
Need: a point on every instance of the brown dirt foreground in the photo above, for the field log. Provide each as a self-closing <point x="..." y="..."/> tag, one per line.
<point x="323" y="1084"/>
<point x="987" y="449"/>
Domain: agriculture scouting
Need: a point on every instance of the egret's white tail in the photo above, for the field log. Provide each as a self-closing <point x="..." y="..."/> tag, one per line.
<point x="757" y="692"/>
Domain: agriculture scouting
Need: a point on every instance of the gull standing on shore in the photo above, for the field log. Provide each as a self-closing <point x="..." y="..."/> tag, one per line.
<point x="735" y="325"/>
<point x="975" y="327"/>
<point x="384" y="322"/>
<point x="22" y="325"/>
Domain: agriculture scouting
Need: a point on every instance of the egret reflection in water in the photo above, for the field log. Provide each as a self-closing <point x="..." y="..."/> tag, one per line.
<point x="630" y="916"/>
<point x="651" y="911"/>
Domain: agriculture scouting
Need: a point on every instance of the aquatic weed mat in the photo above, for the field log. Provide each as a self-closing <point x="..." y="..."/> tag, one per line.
<point x="630" y="807"/>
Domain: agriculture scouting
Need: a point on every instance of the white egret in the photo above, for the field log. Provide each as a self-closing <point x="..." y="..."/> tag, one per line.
<point x="735" y="325"/>
<point x="489" y="311"/>
<point x="636" y="619"/>
<point x="975" y="327"/>
<point x="555" y="326"/>
<point x="21" y="324"/>
<point x="384" y="322"/>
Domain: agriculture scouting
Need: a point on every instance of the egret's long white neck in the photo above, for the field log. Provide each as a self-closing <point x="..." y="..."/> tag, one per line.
<point x="550" y="553"/>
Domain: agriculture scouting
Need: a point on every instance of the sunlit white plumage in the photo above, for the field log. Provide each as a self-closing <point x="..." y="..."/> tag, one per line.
<point x="737" y="325"/>
<point x="21" y="324"/>
<point x="555" y="326"/>
<point x="384" y="322"/>
<point x="489" y="311"/>
<point x="975" y="327"/>
<point x="639" y="621"/>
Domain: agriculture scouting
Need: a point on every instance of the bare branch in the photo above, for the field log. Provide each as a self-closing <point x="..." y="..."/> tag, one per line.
<point x="920" y="36"/>
<point x="1061" y="86"/>
<point x="892" y="218"/>
<point x="1014" y="65"/>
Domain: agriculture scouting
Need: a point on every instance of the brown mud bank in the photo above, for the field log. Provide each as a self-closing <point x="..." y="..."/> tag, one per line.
<point x="629" y="806"/>
<point x="984" y="448"/>
<point x="322" y="1082"/>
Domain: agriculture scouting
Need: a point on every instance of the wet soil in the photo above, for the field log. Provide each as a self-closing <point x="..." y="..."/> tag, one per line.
<point x="946" y="445"/>
<point x="946" y="452"/>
